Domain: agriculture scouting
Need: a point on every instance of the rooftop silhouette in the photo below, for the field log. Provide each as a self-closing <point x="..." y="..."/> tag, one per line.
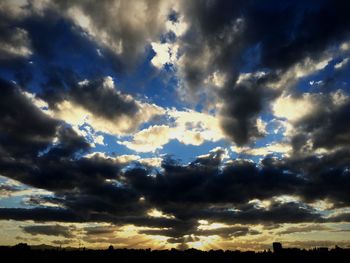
<point x="22" y="252"/>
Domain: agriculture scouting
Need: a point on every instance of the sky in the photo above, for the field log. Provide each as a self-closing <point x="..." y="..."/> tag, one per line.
<point x="200" y="124"/>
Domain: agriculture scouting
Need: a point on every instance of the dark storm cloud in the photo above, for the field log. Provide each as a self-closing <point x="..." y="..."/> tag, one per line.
<point x="49" y="230"/>
<point x="326" y="127"/>
<point x="207" y="192"/>
<point x="201" y="181"/>
<point x="99" y="95"/>
<point x="282" y="34"/>
<point x="243" y="102"/>
<point x="39" y="214"/>
<point x="291" y="212"/>
<point x="102" y="100"/>
<point x="29" y="154"/>
<point x="327" y="177"/>
<point x="25" y="130"/>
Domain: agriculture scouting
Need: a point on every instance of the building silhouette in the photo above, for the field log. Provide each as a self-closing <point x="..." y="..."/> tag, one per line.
<point x="25" y="253"/>
<point x="277" y="247"/>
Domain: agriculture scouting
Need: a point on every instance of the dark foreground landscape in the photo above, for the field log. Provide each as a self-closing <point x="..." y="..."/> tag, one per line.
<point x="24" y="253"/>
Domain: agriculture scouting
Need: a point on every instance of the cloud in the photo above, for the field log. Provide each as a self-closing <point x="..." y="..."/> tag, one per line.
<point x="323" y="125"/>
<point x="166" y="53"/>
<point x="242" y="35"/>
<point x="99" y="104"/>
<point x="16" y="44"/>
<point x="96" y="189"/>
<point x="14" y="41"/>
<point x="294" y="108"/>
<point x="39" y="214"/>
<point x="101" y="98"/>
<point x="129" y="158"/>
<point x="23" y="138"/>
<point x="209" y="191"/>
<point x="188" y="127"/>
<point x="149" y="139"/>
<point x="303" y="229"/>
<point x="123" y="27"/>
<point x="49" y="230"/>
<point x="341" y="64"/>
<point x="278" y="147"/>
<point x="238" y="62"/>
<point x="98" y="230"/>
<point x="7" y="190"/>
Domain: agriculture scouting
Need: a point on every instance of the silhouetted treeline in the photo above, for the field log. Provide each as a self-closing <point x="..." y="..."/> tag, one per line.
<point x="24" y="253"/>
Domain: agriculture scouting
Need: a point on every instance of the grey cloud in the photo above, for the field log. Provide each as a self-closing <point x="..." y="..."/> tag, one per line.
<point x="304" y="229"/>
<point x="15" y="42"/>
<point x="218" y="44"/>
<point x="102" y="100"/>
<point x="8" y="189"/>
<point x="49" y="230"/>
<point x="123" y="26"/>
<point x="227" y="232"/>
<point x="326" y="126"/>
<point x="97" y="230"/>
<point x="208" y="191"/>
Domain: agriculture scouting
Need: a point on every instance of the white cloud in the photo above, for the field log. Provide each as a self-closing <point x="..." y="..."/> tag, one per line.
<point x="150" y="161"/>
<point x="316" y="83"/>
<point x="166" y="53"/>
<point x="216" y="79"/>
<point x="76" y="115"/>
<point x="247" y="76"/>
<point x="127" y="158"/>
<point x="149" y="139"/>
<point x="293" y="108"/>
<point x="99" y="139"/>
<point x="158" y="214"/>
<point x="39" y="103"/>
<point x="207" y="125"/>
<point x="224" y="153"/>
<point x="300" y="70"/>
<point x="261" y="125"/>
<point x="279" y="147"/>
<point x="342" y="63"/>
<point x="178" y="27"/>
<point x="188" y="127"/>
